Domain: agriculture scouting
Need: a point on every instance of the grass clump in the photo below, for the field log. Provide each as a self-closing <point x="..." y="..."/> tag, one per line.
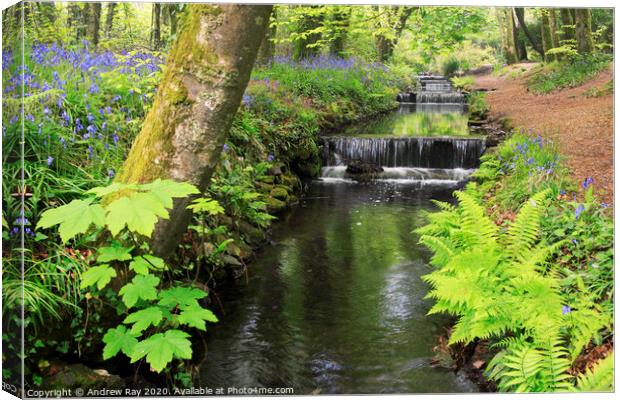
<point x="567" y="74"/>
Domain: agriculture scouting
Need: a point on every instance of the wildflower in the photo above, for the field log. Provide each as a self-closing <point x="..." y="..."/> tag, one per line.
<point x="50" y="160"/>
<point x="115" y="138"/>
<point x="111" y="173"/>
<point x="28" y="232"/>
<point x="270" y="157"/>
<point x="587" y="182"/>
<point x="21" y="221"/>
<point x="46" y="111"/>
<point x="90" y="117"/>
<point x="225" y="148"/>
<point x="575" y="242"/>
<point x="604" y="205"/>
<point x="246" y="100"/>
<point x="579" y="210"/>
<point x="565" y="310"/>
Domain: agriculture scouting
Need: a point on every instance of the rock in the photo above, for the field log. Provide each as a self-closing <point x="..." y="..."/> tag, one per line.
<point x="264" y="187"/>
<point x="279" y="193"/>
<point x="75" y="376"/>
<point x="360" y="167"/>
<point x="230" y="260"/>
<point x="274" y="205"/>
<point x="267" y="179"/>
<point x="290" y="181"/>
<point x="251" y="233"/>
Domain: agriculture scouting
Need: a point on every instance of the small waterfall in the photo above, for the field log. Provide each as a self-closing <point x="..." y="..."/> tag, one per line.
<point x="433" y="90"/>
<point x="416" y="152"/>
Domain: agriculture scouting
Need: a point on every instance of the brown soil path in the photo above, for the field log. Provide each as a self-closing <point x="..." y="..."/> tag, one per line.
<point x="581" y="126"/>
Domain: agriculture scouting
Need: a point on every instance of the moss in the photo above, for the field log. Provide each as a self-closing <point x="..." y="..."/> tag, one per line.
<point x="279" y="193"/>
<point x="275" y="205"/>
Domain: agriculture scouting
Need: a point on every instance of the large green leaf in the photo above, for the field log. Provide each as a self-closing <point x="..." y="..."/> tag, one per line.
<point x="118" y="339"/>
<point x="144" y="318"/>
<point x="142" y="264"/>
<point x="73" y="218"/>
<point x="160" y="348"/>
<point x="139" y="212"/>
<point x="141" y="287"/>
<point x="180" y="296"/>
<point x="101" y="191"/>
<point x="195" y="316"/>
<point x="167" y="189"/>
<point x="106" y="254"/>
<point x="100" y="275"/>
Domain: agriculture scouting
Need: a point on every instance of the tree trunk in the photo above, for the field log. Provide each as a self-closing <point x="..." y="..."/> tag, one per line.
<point x="268" y="47"/>
<point x="519" y="42"/>
<point x="304" y="45"/>
<point x="555" y="41"/>
<point x="156" y="26"/>
<point x="507" y="35"/>
<point x="173" y="17"/>
<point x="109" y="19"/>
<point x="341" y="22"/>
<point x="583" y="30"/>
<point x="520" y="13"/>
<point x="94" y="22"/>
<point x="545" y="33"/>
<point x="568" y="25"/>
<point x="206" y="73"/>
<point x="385" y="46"/>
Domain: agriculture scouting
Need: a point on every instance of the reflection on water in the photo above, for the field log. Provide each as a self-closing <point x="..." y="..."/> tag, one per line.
<point x="418" y="120"/>
<point x="336" y="305"/>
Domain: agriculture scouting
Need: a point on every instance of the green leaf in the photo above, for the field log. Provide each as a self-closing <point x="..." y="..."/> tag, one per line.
<point x="118" y="339"/>
<point x="195" y="316"/>
<point x="167" y="189"/>
<point x="113" y="188"/>
<point x="206" y="205"/>
<point x="160" y="348"/>
<point x="139" y="212"/>
<point x="142" y="264"/>
<point x="143" y="319"/>
<point x="100" y="275"/>
<point x="181" y="296"/>
<point x="106" y="254"/>
<point x="73" y="218"/>
<point x="141" y="287"/>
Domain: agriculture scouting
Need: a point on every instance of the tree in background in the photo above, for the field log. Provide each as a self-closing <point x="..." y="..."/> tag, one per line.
<point x="520" y="14"/>
<point x="308" y="32"/>
<point x="545" y="31"/>
<point x="583" y="30"/>
<point x="389" y="26"/>
<point x="507" y="32"/>
<point x="93" y="22"/>
<point x="568" y="25"/>
<point x="339" y="26"/>
<point x="156" y="26"/>
<point x="207" y="70"/>
<point x="268" y="47"/>
<point x="109" y="19"/>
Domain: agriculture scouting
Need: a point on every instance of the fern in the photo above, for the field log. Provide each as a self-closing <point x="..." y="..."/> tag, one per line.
<point x="598" y="379"/>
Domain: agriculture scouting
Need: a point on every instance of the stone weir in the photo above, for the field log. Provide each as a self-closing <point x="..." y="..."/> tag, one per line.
<point x="417" y="152"/>
<point x="433" y="90"/>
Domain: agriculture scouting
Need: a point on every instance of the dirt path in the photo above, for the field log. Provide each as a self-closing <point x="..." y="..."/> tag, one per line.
<point x="582" y="126"/>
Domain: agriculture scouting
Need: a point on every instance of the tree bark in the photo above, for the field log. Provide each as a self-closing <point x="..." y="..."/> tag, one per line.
<point x="555" y="41"/>
<point x="94" y="22"/>
<point x="207" y="71"/>
<point x="545" y="33"/>
<point x="583" y="30"/>
<point x="268" y="47"/>
<point x="303" y="46"/>
<point x="519" y="42"/>
<point x="109" y="19"/>
<point x="341" y="22"/>
<point x="568" y="24"/>
<point x="520" y="13"/>
<point x="156" y="26"/>
<point x="385" y="46"/>
<point x="507" y="35"/>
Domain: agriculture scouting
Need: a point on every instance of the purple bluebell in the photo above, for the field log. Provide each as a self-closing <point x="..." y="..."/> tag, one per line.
<point x="50" y="160"/>
<point x="580" y="208"/>
<point x="566" y="309"/>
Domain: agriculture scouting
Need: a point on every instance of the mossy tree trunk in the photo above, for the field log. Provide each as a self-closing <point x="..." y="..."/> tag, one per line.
<point x="583" y="30"/>
<point x="545" y="33"/>
<point x="506" y="27"/>
<point x="94" y="22"/>
<point x="519" y="42"/>
<point x="309" y="35"/>
<point x="553" y="24"/>
<point x="568" y="25"/>
<point x="156" y="26"/>
<point x="109" y="19"/>
<point x="207" y="71"/>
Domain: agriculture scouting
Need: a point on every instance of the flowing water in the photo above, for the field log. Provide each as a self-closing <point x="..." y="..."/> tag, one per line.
<point x="336" y="304"/>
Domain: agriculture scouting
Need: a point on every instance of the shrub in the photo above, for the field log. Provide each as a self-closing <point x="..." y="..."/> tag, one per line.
<point x="570" y="73"/>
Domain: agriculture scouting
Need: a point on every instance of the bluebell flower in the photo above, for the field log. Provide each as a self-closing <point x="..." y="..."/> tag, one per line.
<point x="270" y="157"/>
<point x="225" y="148"/>
<point x="587" y="182"/>
<point x="111" y="173"/>
<point x="604" y="205"/>
<point x="575" y="242"/>
<point x="50" y="160"/>
<point x="21" y="221"/>
<point x="579" y="210"/>
<point x="565" y="310"/>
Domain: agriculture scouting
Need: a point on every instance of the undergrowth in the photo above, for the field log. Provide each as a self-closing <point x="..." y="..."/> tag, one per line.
<point x="525" y="262"/>
<point x="568" y="73"/>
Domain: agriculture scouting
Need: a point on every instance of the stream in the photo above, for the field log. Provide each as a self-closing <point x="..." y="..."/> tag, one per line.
<point x="336" y="304"/>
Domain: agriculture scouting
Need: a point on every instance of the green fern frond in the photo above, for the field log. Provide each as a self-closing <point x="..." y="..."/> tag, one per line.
<point x="474" y="220"/>
<point x="598" y="379"/>
<point x="524" y="231"/>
